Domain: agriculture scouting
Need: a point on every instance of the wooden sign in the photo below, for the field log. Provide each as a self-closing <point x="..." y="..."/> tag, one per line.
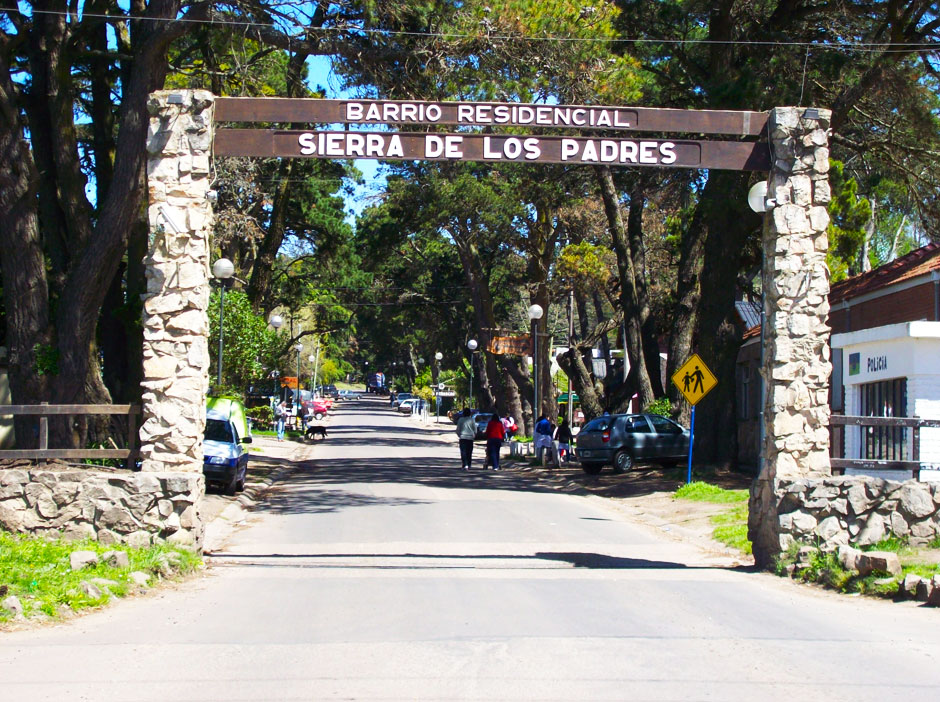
<point x="511" y="345"/>
<point x="380" y="112"/>
<point x="410" y="146"/>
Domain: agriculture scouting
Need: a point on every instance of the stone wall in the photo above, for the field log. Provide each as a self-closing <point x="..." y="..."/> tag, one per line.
<point x="110" y="506"/>
<point x="176" y="350"/>
<point x="858" y="510"/>
<point x="795" y="278"/>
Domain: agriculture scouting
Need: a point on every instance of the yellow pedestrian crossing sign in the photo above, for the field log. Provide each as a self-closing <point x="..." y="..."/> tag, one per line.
<point x="694" y="379"/>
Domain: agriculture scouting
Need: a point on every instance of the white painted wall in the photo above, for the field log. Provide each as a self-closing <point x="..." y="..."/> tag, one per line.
<point x="910" y="350"/>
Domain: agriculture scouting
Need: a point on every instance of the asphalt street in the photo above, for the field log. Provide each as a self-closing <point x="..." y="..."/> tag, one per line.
<point x="381" y="571"/>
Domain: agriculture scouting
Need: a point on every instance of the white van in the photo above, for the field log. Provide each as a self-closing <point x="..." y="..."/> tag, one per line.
<point x="225" y="454"/>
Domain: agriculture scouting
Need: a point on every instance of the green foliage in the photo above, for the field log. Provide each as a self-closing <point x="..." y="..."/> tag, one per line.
<point x="586" y="265"/>
<point x="705" y="492"/>
<point x="249" y="345"/>
<point x="37" y="571"/>
<point x="262" y="415"/>
<point x="662" y="406"/>
<point x="47" y="359"/>
<point x="891" y="543"/>
<point x="731" y="528"/>
<point x="848" y="215"/>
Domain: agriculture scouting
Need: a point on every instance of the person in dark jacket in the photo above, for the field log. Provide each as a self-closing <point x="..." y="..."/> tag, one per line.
<point x="563" y="437"/>
<point x="495" y="433"/>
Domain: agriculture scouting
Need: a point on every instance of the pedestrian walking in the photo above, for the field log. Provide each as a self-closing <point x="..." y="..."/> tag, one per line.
<point x="466" y="433"/>
<point x="563" y="437"/>
<point x="495" y="433"/>
<point x="280" y="418"/>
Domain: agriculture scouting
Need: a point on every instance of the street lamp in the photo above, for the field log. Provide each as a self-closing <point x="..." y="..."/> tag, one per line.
<point x="223" y="270"/>
<point x="535" y="314"/>
<point x="315" y="360"/>
<point x="472" y="345"/>
<point x="298" y="348"/>
<point x="437" y="357"/>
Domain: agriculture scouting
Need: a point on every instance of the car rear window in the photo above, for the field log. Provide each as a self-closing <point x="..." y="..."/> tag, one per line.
<point x="599" y="424"/>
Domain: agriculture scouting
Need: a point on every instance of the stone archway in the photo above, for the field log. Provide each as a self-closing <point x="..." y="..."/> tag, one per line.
<point x="796" y="363"/>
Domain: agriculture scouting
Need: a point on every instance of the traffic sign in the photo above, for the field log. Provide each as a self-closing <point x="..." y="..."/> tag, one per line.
<point x="694" y="379"/>
<point x="446" y="393"/>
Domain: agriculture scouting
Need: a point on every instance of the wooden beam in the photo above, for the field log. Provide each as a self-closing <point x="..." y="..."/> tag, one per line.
<point x="314" y="111"/>
<point x="408" y="146"/>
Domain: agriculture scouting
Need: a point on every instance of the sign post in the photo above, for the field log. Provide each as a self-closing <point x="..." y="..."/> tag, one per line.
<point x="694" y="380"/>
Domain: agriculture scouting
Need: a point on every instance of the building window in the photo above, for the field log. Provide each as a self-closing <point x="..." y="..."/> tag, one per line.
<point x="887" y="398"/>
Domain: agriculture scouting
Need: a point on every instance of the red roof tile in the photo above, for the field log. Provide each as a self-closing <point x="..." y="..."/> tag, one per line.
<point x="916" y="263"/>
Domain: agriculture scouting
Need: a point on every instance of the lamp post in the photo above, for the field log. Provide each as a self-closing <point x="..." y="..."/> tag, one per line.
<point x="223" y="270"/>
<point x="472" y="345"/>
<point x="437" y="400"/>
<point x="298" y="348"/>
<point x="277" y="321"/>
<point x="535" y="314"/>
<point x="315" y="360"/>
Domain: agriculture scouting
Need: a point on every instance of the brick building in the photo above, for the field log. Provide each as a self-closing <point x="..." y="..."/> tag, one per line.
<point x="885" y="353"/>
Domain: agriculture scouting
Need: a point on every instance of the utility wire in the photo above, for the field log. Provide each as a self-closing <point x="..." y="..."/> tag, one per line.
<point x="886" y="47"/>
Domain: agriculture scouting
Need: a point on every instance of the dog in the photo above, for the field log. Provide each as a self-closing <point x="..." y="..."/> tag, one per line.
<point x="314" y="431"/>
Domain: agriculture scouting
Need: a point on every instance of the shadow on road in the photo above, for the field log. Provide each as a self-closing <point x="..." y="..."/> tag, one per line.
<point x="594" y="561"/>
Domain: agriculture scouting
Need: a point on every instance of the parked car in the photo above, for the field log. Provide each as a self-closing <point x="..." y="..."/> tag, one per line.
<point x="625" y="440"/>
<point x="328" y="390"/>
<point x="225" y="457"/>
<point x="411" y="405"/>
<point x="348" y="395"/>
<point x="317" y="407"/>
<point x="482" y="419"/>
<point x="400" y="397"/>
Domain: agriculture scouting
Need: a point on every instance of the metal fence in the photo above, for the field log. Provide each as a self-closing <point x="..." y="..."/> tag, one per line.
<point x="885" y="441"/>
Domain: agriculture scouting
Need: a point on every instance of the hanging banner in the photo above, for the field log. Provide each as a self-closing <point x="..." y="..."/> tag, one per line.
<point x="511" y="345"/>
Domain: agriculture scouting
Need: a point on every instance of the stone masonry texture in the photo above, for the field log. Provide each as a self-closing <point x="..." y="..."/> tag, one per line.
<point x="138" y="509"/>
<point x="176" y="352"/>
<point x="796" y="364"/>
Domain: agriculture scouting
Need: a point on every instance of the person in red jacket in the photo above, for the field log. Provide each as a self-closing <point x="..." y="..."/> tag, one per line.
<point x="495" y="433"/>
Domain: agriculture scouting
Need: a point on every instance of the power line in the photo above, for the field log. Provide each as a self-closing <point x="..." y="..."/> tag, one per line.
<point x="885" y="47"/>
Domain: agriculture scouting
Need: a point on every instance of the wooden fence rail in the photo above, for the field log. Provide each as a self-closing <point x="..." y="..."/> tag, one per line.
<point x="44" y="411"/>
<point x="915" y="424"/>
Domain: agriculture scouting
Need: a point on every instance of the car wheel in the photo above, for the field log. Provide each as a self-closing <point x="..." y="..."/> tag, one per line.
<point x="240" y="485"/>
<point x="231" y="487"/>
<point x="592" y="468"/>
<point x="623" y="462"/>
<point x="318" y="416"/>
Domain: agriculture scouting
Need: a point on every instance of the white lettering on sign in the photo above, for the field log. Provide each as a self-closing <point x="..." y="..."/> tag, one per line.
<point x="477" y="113"/>
<point x="618" y="151"/>
<point x="308" y="144"/>
<point x="448" y="146"/>
<point x="876" y="364"/>
<point x="353" y="145"/>
<point x="392" y="112"/>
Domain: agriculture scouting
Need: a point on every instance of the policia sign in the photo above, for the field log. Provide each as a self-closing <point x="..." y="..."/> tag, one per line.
<point x="470" y="146"/>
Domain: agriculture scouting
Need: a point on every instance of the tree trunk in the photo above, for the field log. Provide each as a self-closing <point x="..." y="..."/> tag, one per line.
<point x="25" y="291"/>
<point x="729" y="225"/>
<point x="647" y="323"/>
<point x="628" y="292"/>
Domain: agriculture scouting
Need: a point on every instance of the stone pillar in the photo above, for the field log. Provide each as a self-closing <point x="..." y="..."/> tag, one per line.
<point x="796" y="363"/>
<point x="176" y="347"/>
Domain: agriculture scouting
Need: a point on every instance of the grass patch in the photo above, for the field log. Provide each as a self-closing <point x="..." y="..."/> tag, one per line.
<point x="731" y="528"/>
<point x="37" y="571"/>
<point x="730" y="525"/>
<point x="705" y="492"/>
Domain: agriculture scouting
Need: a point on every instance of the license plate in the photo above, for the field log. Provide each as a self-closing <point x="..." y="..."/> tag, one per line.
<point x="586" y="454"/>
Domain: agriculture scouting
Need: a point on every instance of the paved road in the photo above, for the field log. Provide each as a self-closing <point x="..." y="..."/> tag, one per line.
<point x="381" y="572"/>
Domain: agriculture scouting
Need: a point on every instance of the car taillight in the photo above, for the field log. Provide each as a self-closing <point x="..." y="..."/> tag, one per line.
<point x="605" y="437"/>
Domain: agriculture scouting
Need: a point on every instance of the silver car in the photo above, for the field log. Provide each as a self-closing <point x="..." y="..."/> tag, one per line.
<point x="624" y="440"/>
